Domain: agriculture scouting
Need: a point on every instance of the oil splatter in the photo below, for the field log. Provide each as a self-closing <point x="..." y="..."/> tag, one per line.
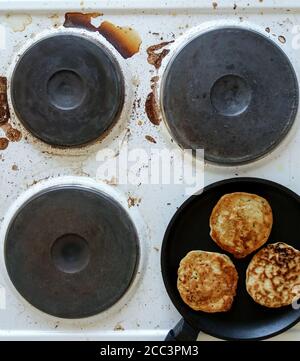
<point x="151" y="106"/>
<point x="81" y="20"/>
<point x="15" y="167"/>
<point x="267" y="29"/>
<point x="3" y="143"/>
<point x="281" y="38"/>
<point x="215" y="5"/>
<point x="155" y="58"/>
<point x="4" y="109"/>
<point x="124" y="39"/>
<point x="13" y="134"/>
<point x="150" y="139"/>
<point x="133" y="201"/>
<point x="18" y="22"/>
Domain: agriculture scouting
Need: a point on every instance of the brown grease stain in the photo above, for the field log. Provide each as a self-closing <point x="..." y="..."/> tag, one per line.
<point x="150" y="139"/>
<point x="81" y="20"/>
<point x="155" y="58"/>
<point x="133" y="201"/>
<point x="282" y="39"/>
<point x="151" y="105"/>
<point x="124" y="39"/>
<point x="3" y="143"/>
<point x="13" y="134"/>
<point x="4" y="109"/>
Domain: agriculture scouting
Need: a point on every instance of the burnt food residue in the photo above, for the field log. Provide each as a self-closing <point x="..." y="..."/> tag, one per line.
<point x="150" y="139"/>
<point x="81" y="20"/>
<point x="12" y="134"/>
<point x="151" y="105"/>
<point x="156" y="57"/>
<point x="3" y="143"/>
<point x="124" y="39"/>
<point x="4" y="109"/>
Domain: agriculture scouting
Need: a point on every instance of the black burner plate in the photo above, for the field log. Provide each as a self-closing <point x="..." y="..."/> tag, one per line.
<point x="71" y="252"/>
<point x="231" y="92"/>
<point x="67" y="90"/>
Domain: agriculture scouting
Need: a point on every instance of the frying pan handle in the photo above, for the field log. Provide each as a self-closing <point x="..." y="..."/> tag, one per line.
<point x="182" y="332"/>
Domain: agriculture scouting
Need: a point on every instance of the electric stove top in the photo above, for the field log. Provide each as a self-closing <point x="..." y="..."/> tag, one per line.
<point x="94" y="98"/>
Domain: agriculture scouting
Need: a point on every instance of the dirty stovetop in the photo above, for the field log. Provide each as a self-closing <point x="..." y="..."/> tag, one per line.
<point x="142" y="38"/>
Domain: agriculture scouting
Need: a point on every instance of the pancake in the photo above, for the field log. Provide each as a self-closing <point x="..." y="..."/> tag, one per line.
<point x="241" y="223"/>
<point x="273" y="275"/>
<point x="207" y="281"/>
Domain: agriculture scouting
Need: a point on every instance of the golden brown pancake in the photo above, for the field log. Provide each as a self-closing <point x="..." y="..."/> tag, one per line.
<point x="207" y="281"/>
<point x="241" y="223"/>
<point x="273" y="275"/>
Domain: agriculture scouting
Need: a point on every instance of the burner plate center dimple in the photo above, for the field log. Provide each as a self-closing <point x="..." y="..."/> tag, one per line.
<point x="70" y="253"/>
<point x="65" y="89"/>
<point x="230" y="95"/>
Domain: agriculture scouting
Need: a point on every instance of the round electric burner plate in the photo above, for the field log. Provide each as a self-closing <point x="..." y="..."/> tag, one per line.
<point x="231" y="92"/>
<point x="67" y="90"/>
<point x="71" y="252"/>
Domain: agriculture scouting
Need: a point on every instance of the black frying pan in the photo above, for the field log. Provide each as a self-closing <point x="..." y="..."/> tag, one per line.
<point x="189" y="230"/>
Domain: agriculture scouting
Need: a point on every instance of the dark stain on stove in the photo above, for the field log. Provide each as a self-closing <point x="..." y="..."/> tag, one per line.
<point x="215" y="5"/>
<point x="15" y="167"/>
<point x="155" y="58"/>
<point x="282" y="39"/>
<point x="4" y="109"/>
<point x="3" y="143"/>
<point x="124" y="39"/>
<point x="234" y="6"/>
<point x="133" y="201"/>
<point x="267" y="29"/>
<point x="151" y="106"/>
<point x="12" y="134"/>
<point x="81" y="20"/>
<point x="137" y="100"/>
<point x="150" y="139"/>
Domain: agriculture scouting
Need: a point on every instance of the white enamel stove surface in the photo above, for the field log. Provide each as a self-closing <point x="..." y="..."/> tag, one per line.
<point x="147" y="312"/>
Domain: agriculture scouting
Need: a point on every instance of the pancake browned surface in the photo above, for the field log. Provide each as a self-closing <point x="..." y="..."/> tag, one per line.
<point x="273" y="275"/>
<point x="207" y="281"/>
<point x="241" y="222"/>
